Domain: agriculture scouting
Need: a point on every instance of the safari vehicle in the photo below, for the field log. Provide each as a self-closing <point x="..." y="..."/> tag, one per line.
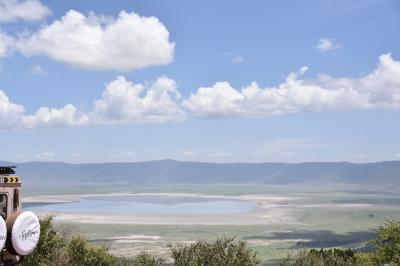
<point x="19" y="230"/>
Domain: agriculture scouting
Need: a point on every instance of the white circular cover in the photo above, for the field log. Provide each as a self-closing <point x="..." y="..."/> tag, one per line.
<point x="25" y="233"/>
<point x="3" y="233"/>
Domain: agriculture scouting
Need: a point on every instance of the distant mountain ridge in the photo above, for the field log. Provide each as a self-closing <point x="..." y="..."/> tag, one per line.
<point x="179" y="172"/>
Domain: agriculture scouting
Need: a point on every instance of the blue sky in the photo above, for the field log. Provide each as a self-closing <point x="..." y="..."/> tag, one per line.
<point x="221" y="81"/>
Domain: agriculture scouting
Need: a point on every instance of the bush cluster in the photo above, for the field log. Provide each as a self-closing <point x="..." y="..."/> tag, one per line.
<point x="222" y="252"/>
<point x="63" y="246"/>
<point x="386" y="251"/>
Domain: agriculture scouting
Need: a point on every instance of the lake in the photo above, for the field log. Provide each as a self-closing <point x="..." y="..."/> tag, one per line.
<point x="143" y="204"/>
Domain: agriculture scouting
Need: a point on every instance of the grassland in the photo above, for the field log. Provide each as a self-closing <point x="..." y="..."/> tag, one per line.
<point x="331" y="217"/>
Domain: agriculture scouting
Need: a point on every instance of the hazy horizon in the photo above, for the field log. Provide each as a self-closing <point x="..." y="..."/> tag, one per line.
<point x="193" y="161"/>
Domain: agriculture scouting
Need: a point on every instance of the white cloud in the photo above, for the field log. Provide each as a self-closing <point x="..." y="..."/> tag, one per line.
<point x="220" y="154"/>
<point x="160" y="101"/>
<point x="205" y="155"/>
<point x="237" y="59"/>
<point x="44" y="156"/>
<point x="75" y="156"/>
<point x="121" y="102"/>
<point x="125" y="156"/>
<point x="10" y="113"/>
<point x="397" y="155"/>
<point x="233" y="57"/>
<point x="11" y="10"/>
<point x="218" y="100"/>
<point x="187" y="153"/>
<point x="328" y="44"/>
<point x="125" y="102"/>
<point x="360" y="156"/>
<point x="95" y="42"/>
<point x="6" y="44"/>
<point x="379" y="89"/>
<point x="52" y="117"/>
<point x="38" y="70"/>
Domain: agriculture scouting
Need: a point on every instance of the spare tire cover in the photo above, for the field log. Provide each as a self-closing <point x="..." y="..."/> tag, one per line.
<point x="3" y="233"/>
<point x="25" y="233"/>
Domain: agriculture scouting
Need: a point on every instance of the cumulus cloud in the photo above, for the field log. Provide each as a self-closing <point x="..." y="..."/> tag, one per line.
<point x="124" y="102"/>
<point x="159" y="101"/>
<point x="187" y="153"/>
<point x="233" y="57"/>
<point x="237" y="59"/>
<point x="379" y="89"/>
<point x="52" y="117"/>
<point x="360" y="156"/>
<point x="44" y="156"/>
<point x="96" y="42"/>
<point x="328" y="44"/>
<point x="11" y="10"/>
<point x="38" y="70"/>
<point x="10" y="113"/>
<point x="121" y="102"/>
<point x="6" y="44"/>
<point x="220" y="154"/>
<point x="125" y="156"/>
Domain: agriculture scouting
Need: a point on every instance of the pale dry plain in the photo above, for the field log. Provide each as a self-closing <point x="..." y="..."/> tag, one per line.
<point x="272" y="223"/>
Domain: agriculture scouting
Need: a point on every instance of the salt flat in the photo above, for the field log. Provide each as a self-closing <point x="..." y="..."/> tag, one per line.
<point x="273" y="223"/>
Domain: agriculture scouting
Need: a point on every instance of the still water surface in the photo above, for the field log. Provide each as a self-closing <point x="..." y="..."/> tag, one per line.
<point x="139" y="204"/>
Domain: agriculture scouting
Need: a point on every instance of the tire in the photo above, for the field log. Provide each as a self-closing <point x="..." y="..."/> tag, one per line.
<point x="3" y="233"/>
<point x="23" y="232"/>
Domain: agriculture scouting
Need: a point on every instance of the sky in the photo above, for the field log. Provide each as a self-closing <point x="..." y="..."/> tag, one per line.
<point x="216" y="81"/>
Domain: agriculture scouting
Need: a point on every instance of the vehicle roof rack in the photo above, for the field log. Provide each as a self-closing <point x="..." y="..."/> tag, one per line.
<point x="7" y="170"/>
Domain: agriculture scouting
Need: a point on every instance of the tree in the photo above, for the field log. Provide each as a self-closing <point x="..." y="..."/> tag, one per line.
<point x="146" y="259"/>
<point x="222" y="252"/>
<point x="64" y="246"/>
<point x="81" y="253"/>
<point x="387" y="243"/>
<point x="325" y="257"/>
<point x="50" y="246"/>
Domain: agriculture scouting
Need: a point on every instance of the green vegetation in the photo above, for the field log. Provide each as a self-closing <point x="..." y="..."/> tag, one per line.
<point x="329" y="257"/>
<point x="64" y="246"/>
<point x="222" y="252"/>
<point x="387" y="244"/>
<point x="386" y="251"/>
<point x="146" y="259"/>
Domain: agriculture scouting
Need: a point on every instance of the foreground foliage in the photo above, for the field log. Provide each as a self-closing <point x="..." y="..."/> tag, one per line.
<point x="387" y="244"/>
<point x="63" y="246"/>
<point x="66" y="247"/>
<point x="325" y="257"/>
<point x="223" y="252"/>
<point x="146" y="259"/>
<point x="386" y="251"/>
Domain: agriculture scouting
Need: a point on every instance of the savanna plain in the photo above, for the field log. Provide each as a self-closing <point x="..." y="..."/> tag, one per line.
<point x="274" y="220"/>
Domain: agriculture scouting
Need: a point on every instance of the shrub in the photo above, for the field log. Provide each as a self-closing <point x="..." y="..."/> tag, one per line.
<point x="145" y="259"/>
<point x="64" y="247"/>
<point x="222" y="252"/>
<point x="82" y="253"/>
<point x="387" y="243"/>
<point x="326" y="257"/>
<point x="386" y="251"/>
<point x="49" y="248"/>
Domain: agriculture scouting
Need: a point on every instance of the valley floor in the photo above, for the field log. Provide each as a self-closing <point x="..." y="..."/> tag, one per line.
<point x="274" y="222"/>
